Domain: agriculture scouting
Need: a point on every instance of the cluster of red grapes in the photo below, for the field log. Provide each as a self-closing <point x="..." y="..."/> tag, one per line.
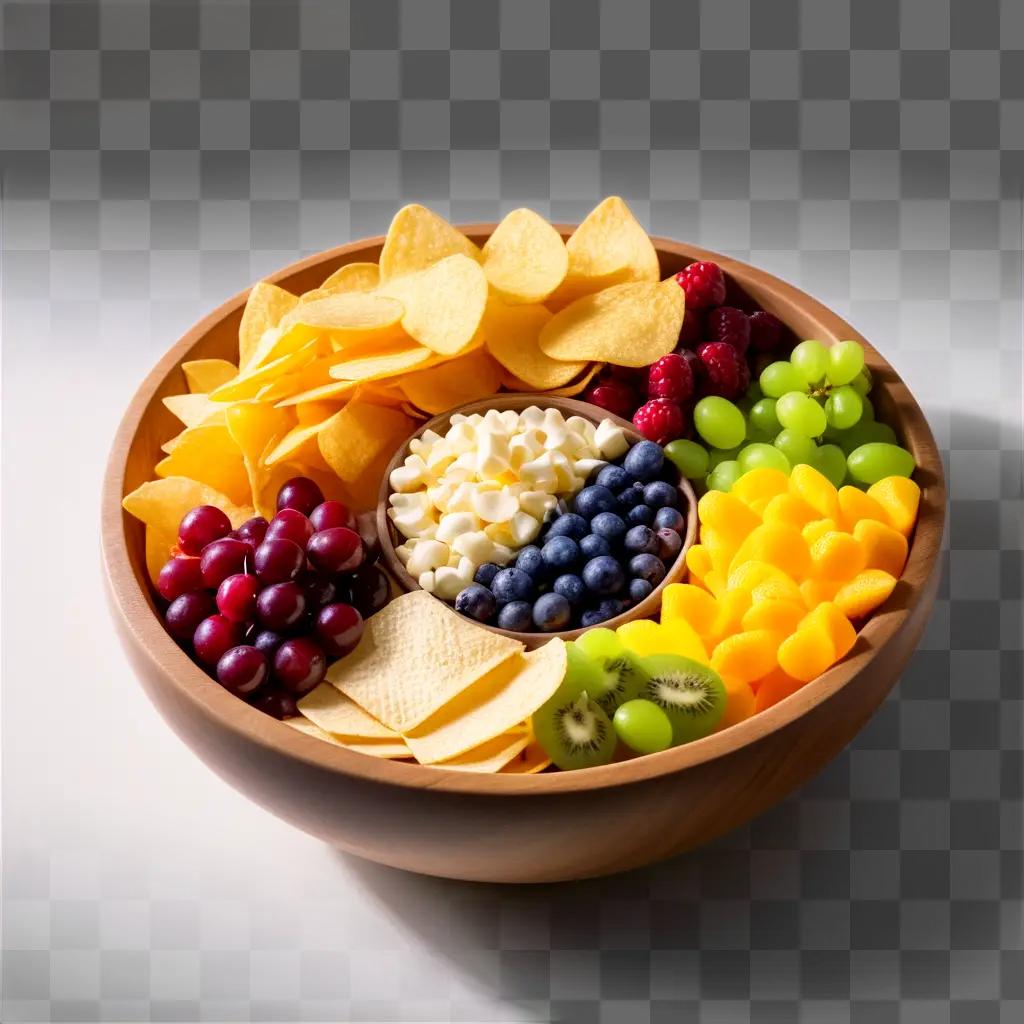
<point x="264" y="608"/>
<point x="721" y="347"/>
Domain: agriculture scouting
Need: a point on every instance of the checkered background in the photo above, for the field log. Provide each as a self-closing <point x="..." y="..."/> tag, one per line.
<point x="157" y="157"/>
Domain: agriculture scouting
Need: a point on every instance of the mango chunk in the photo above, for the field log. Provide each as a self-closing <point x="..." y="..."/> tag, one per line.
<point x="864" y="593"/>
<point x="774" y="687"/>
<point x="817" y="490"/>
<point x="747" y="655"/>
<point x="884" y="547"/>
<point x="900" y="497"/>
<point x="855" y="505"/>
<point x="836" y="556"/>
<point x="779" y="544"/>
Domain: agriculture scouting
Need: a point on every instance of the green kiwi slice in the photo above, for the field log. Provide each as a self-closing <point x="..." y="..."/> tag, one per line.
<point x="621" y="672"/>
<point x="574" y="731"/>
<point x="691" y="694"/>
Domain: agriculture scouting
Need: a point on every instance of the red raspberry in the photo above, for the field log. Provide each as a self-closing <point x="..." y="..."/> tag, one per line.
<point x="660" y="420"/>
<point x="765" y="331"/>
<point x="671" y="377"/>
<point x="729" y="324"/>
<point x="727" y="372"/>
<point x="704" y="284"/>
<point x="691" y="334"/>
<point x="614" y="395"/>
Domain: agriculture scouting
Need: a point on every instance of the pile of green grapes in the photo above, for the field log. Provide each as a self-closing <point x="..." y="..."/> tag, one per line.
<point x="812" y="408"/>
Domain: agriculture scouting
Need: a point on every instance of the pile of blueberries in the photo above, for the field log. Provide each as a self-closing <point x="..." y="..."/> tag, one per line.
<point x="591" y="561"/>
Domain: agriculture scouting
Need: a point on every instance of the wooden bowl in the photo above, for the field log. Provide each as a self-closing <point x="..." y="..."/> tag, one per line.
<point x="512" y="828"/>
<point x="389" y="538"/>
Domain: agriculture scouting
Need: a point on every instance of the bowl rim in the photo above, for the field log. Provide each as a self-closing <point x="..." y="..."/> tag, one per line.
<point x="519" y="400"/>
<point x="141" y="626"/>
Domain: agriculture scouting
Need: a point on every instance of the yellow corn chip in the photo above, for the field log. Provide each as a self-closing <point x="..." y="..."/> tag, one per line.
<point x="511" y="334"/>
<point x="438" y="654"/>
<point x="203" y="375"/>
<point x="353" y="277"/>
<point x="455" y="382"/>
<point x="495" y="703"/>
<point x="210" y="455"/>
<point x="361" y="431"/>
<point x="389" y="749"/>
<point x="335" y="713"/>
<point x="491" y="756"/>
<point x="418" y="238"/>
<point x="263" y="309"/>
<point x="525" y="259"/>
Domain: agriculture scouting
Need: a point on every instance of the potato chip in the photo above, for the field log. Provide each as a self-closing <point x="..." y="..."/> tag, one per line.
<point x="388" y="749"/>
<point x="444" y="303"/>
<point x="210" y="455"/>
<point x="495" y="703"/>
<point x="418" y="238"/>
<point x="193" y="410"/>
<point x="528" y="762"/>
<point x="347" y="312"/>
<point x="337" y="390"/>
<point x="335" y="713"/>
<point x="579" y="385"/>
<point x="353" y="277"/>
<point x="265" y="306"/>
<point x="203" y="375"/>
<point x="525" y="259"/>
<point x="491" y="756"/>
<point x="249" y="383"/>
<point x="383" y="364"/>
<point x="438" y="654"/>
<point x="351" y="441"/>
<point x="256" y="427"/>
<point x="511" y="334"/>
<point x="298" y="445"/>
<point x="629" y="324"/>
<point x="455" y="382"/>
<point x="158" y="549"/>
<point x="315" y="412"/>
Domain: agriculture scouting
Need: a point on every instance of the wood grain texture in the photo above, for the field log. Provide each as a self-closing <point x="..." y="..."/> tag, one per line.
<point x="647" y="608"/>
<point x="506" y="827"/>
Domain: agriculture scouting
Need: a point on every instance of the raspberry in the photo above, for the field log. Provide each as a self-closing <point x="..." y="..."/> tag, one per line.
<point x="691" y="334"/>
<point x="670" y="377"/>
<point x="729" y="324"/>
<point x="704" y="284"/>
<point x="614" y="395"/>
<point x="726" y="369"/>
<point x="765" y="331"/>
<point x="660" y="420"/>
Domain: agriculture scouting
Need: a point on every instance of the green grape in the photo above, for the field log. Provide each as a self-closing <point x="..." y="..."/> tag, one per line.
<point x="719" y="422"/>
<point x="643" y="726"/>
<point x="845" y="361"/>
<point x="843" y="407"/>
<point x="690" y="458"/>
<point x="780" y="377"/>
<point x="724" y="475"/>
<point x="873" y="461"/>
<point x="866" y="432"/>
<point x="762" y="456"/>
<point x="762" y="416"/>
<point x="830" y="462"/>
<point x="795" y="447"/>
<point x="719" y="455"/>
<point x="754" y="392"/>
<point x="811" y="359"/>
<point x="868" y="413"/>
<point x="800" y="412"/>
<point x="862" y="382"/>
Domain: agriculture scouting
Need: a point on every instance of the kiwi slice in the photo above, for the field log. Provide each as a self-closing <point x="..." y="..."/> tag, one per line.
<point x="621" y="672"/>
<point x="691" y="694"/>
<point x="574" y="731"/>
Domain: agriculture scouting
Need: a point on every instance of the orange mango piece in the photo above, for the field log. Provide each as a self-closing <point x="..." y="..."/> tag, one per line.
<point x="781" y="589"/>
<point x="836" y="556"/>
<point x="779" y="544"/>
<point x="683" y="602"/>
<point x="715" y="582"/>
<point x="864" y="593"/>
<point x="644" y="637"/>
<point x="830" y="617"/>
<point x="791" y="509"/>
<point x="807" y="653"/>
<point x="732" y="606"/>
<point x="855" y="505"/>
<point x="718" y="545"/>
<point x="727" y="516"/>
<point x="698" y="561"/>
<point x="817" y="528"/>
<point x="900" y="497"/>
<point x="750" y="574"/>
<point x="774" y="614"/>
<point x="739" y="703"/>
<point x="817" y="490"/>
<point x="747" y="655"/>
<point x="814" y="591"/>
<point x="760" y="485"/>
<point x="774" y="687"/>
<point x="884" y="547"/>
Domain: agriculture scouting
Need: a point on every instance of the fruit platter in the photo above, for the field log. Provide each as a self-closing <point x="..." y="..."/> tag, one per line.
<point x="520" y="509"/>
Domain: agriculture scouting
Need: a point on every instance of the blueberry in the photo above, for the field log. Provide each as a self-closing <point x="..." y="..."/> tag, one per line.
<point x="485" y="573"/>
<point x="630" y="497"/>
<point x="644" y="460"/>
<point x="603" y="576"/>
<point x="640" y="515"/>
<point x="641" y="540"/>
<point x="647" y="567"/>
<point x="529" y="561"/>
<point x="615" y="478"/>
<point x="594" y="499"/>
<point x="592" y="545"/>
<point x="669" y="519"/>
<point x="638" y="590"/>
<point x="608" y="525"/>
<point x="569" y="525"/>
<point x="571" y="587"/>
<point x="476" y="601"/>
<point x="560" y="554"/>
<point x="669" y="545"/>
<point x="610" y="607"/>
<point x="512" y="585"/>
<point x="659" y="494"/>
<point x="592" y="618"/>
<point x="517" y="616"/>
<point x="550" y="612"/>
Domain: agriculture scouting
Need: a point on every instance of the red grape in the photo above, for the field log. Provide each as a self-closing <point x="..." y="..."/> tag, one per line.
<point x="299" y="493"/>
<point x="253" y="530"/>
<point x="242" y="669"/>
<point x="200" y="526"/>
<point x="332" y="513"/>
<point x="214" y="636"/>
<point x="370" y="589"/>
<point x="319" y="591"/>
<point x="223" y="558"/>
<point x="339" y="628"/>
<point x="281" y="605"/>
<point x="366" y="527"/>
<point x="186" y="611"/>
<point x="299" y="665"/>
<point x="291" y="525"/>
<point x="276" y="703"/>
<point x="335" y="550"/>
<point x="267" y="641"/>
<point x="236" y="597"/>
<point x="278" y="560"/>
<point x="178" y="576"/>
